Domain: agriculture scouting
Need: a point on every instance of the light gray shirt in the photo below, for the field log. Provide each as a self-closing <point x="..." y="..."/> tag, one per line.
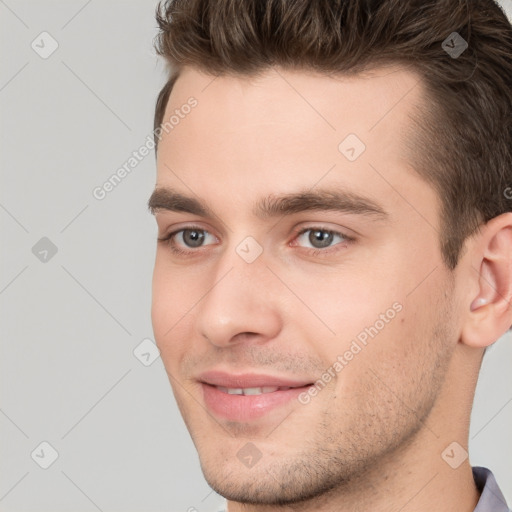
<point x="491" y="498"/>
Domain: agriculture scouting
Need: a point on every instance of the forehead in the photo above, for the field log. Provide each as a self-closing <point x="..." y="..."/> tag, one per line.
<point x="286" y="129"/>
<point x="336" y="101"/>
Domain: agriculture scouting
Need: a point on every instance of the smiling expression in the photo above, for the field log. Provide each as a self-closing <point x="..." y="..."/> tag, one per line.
<point x="290" y="219"/>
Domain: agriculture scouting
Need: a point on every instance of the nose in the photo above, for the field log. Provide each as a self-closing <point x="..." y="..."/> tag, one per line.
<point x="241" y="304"/>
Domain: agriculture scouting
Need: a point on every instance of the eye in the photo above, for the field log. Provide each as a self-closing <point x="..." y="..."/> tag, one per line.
<point x="321" y="239"/>
<point x="192" y="237"/>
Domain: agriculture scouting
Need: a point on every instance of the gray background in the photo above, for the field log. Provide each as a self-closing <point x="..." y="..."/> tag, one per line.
<point x="70" y="323"/>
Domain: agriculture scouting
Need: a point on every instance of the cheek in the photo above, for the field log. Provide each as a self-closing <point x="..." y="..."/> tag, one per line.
<point x="339" y="306"/>
<point x="170" y="303"/>
<point x="364" y="320"/>
<point x="174" y="290"/>
<point x="403" y="354"/>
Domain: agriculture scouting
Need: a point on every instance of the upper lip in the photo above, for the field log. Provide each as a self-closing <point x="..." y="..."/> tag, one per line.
<point x="248" y="380"/>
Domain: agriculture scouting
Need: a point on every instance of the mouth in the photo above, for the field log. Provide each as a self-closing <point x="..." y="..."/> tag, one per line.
<point x="248" y="397"/>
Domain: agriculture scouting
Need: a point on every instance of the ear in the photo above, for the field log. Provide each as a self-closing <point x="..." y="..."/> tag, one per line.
<point x="489" y="308"/>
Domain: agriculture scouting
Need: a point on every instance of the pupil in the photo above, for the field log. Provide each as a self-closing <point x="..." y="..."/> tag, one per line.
<point x="324" y="237"/>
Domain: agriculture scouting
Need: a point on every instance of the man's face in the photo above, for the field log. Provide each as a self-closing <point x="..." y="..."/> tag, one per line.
<point x="331" y="317"/>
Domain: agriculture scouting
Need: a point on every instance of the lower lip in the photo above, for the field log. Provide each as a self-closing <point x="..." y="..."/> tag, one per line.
<point x="246" y="407"/>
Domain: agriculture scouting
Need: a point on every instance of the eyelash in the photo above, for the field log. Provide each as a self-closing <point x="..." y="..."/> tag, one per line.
<point x="169" y="241"/>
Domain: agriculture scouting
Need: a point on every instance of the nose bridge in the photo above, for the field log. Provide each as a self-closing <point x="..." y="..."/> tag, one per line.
<point x="239" y="297"/>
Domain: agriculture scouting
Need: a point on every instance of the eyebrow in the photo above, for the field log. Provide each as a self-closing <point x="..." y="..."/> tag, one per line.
<point x="274" y="205"/>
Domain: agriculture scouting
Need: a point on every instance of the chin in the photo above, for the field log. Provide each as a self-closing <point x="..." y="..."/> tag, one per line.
<point x="281" y="483"/>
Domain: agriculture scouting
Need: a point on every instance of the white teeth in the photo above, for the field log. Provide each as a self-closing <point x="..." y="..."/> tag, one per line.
<point x="253" y="391"/>
<point x="250" y="391"/>
<point x="259" y="391"/>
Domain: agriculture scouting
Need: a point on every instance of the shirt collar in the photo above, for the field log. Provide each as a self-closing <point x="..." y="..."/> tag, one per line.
<point x="491" y="499"/>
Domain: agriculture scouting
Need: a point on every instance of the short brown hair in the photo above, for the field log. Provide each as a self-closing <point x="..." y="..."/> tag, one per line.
<point x="462" y="143"/>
